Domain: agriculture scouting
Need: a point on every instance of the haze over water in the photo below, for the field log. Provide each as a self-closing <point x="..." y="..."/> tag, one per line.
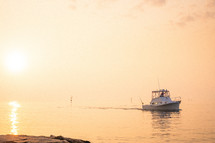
<point x="107" y="54"/>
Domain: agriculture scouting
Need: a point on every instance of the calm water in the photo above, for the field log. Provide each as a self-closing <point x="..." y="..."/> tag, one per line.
<point x="123" y="124"/>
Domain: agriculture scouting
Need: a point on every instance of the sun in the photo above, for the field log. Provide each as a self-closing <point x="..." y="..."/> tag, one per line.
<point x="15" y="61"/>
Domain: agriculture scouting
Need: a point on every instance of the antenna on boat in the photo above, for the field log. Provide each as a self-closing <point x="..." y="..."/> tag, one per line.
<point x="158" y="84"/>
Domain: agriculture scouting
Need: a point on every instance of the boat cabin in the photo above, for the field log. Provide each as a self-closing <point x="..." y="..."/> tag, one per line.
<point x="161" y="96"/>
<point x="160" y="93"/>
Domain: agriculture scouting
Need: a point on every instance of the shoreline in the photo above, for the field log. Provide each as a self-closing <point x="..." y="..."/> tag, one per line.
<point x="38" y="139"/>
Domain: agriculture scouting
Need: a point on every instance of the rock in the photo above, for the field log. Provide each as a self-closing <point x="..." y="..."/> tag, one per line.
<point x="38" y="139"/>
<point x="69" y="139"/>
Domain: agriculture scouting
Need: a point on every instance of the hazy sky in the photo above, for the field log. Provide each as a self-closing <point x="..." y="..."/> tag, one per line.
<point x="107" y="51"/>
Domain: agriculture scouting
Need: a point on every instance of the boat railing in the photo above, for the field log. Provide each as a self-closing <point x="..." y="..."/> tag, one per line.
<point x="176" y="98"/>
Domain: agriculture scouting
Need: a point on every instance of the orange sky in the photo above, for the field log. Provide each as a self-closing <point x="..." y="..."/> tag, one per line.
<point x="102" y="51"/>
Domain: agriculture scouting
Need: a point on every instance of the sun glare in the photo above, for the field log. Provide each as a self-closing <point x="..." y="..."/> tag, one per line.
<point x="13" y="117"/>
<point x="15" y="62"/>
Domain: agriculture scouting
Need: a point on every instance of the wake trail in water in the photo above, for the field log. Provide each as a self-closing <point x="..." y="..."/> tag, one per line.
<point x="112" y="108"/>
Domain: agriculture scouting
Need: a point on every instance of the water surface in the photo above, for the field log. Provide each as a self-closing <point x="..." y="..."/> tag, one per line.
<point x="122" y="124"/>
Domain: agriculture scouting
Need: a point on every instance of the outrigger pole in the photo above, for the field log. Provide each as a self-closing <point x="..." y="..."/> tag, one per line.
<point x="141" y="101"/>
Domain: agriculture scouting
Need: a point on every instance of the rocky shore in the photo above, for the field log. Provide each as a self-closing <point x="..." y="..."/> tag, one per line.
<point x="38" y="139"/>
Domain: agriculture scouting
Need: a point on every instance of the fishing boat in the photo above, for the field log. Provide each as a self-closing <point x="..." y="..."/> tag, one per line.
<point x="161" y="101"/>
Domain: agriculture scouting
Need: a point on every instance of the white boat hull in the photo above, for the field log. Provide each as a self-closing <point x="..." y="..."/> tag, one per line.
<point x="168" y="106"/>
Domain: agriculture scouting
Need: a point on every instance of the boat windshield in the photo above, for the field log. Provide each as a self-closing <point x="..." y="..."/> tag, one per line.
<point x="160" y="93"/>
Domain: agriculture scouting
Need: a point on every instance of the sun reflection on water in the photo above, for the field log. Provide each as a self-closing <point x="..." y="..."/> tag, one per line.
<point x="13" y="117"/>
